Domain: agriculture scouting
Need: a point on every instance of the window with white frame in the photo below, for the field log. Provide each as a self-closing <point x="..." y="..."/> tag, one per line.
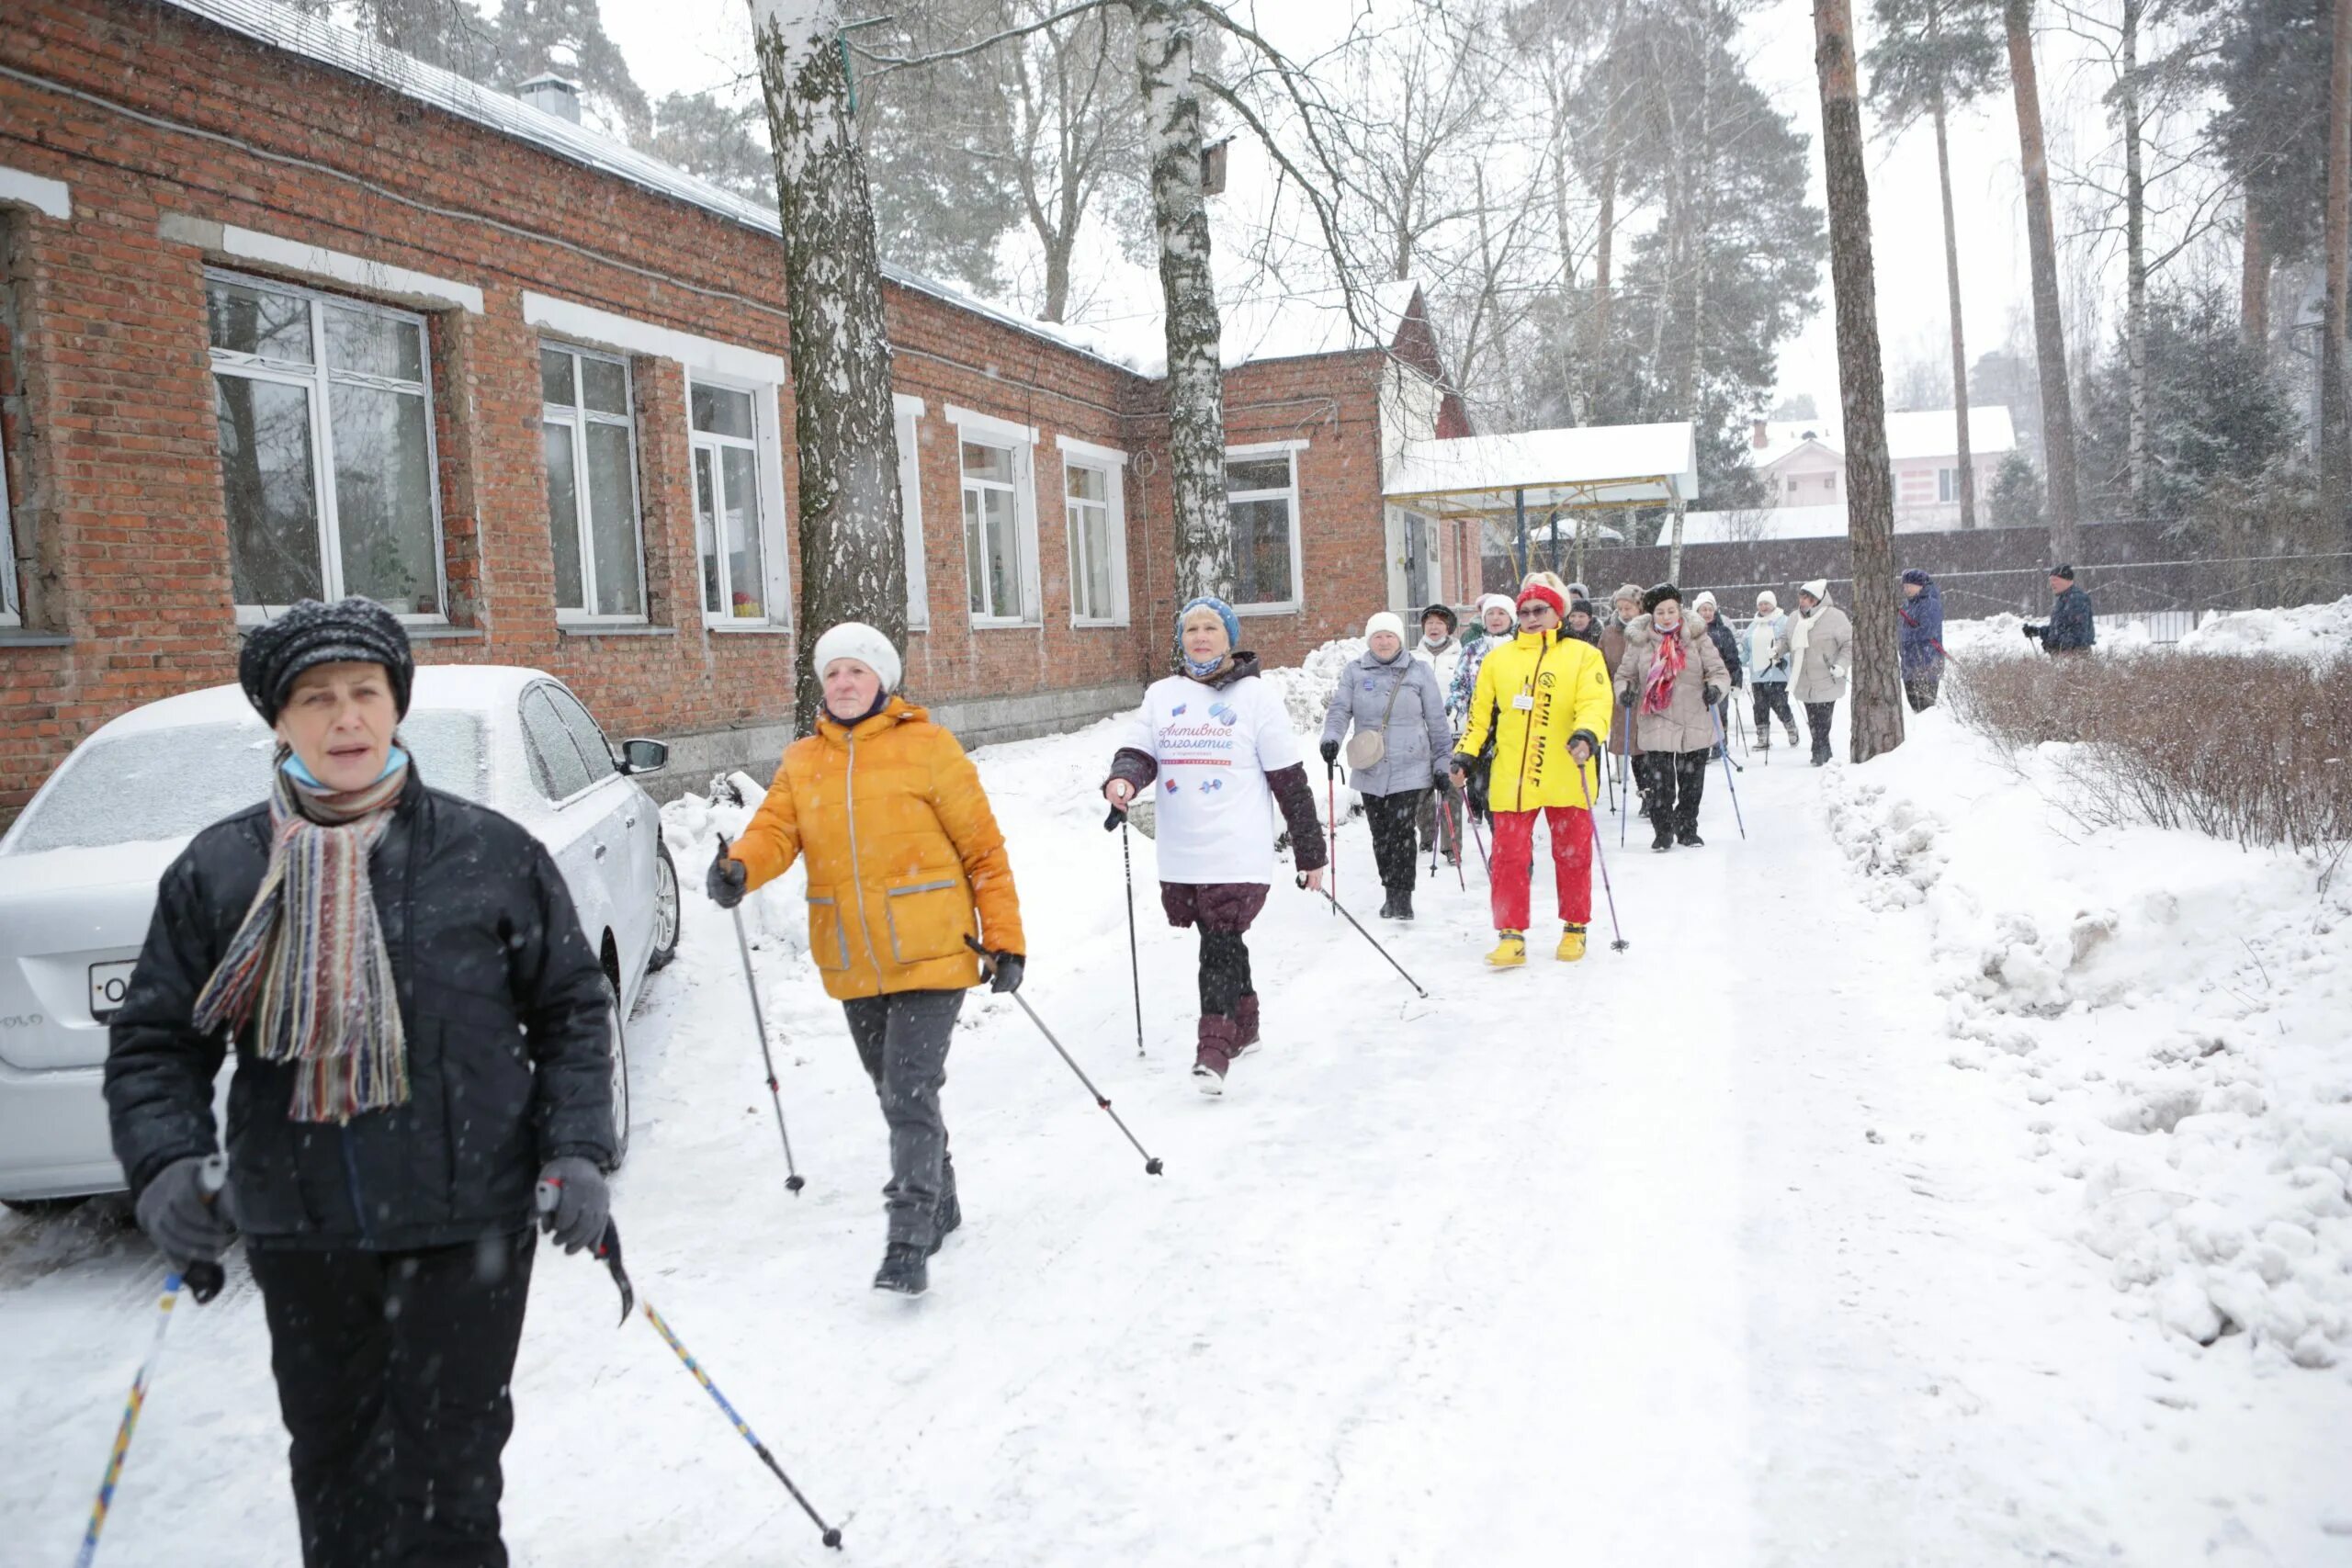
<point x="999" y="520"/>
<point x="1416" y="545"/>
<point x="906" y="412"/>
<point x="589" y="423"/>
<point x="1094" y="511"/>
<point x="1947" y="485"/>
<point x="327" y="468"/>
<point x="1261" y="499"/>
<point x="734" y="535"/>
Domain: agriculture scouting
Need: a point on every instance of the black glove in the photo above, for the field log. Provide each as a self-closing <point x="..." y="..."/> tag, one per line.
<point x="187" y="1224"/>
<point x="1625" y="696"/>
<point x="727" y="879"/>
<point x="1715" y="696"/>
<point x="1006" y="977"/>
<point x="574" y="1205"/>
<point x="1330" y="753"/>
<point x="2033" y="634"/>
<point x="1443" y="785"/>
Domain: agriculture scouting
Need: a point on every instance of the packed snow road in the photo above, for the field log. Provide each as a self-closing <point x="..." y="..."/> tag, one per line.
<point x="1701" y="1253"/>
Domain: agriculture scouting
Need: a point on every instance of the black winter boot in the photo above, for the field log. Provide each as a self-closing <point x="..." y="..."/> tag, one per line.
<point x="903" y="1270"/>
<point x="948" y="1216"/>
<point x="1664" y="839"/>
<point x="1402" y="899"/>
<point x="1689" y="839"/>
<point x="1388" y="905"/>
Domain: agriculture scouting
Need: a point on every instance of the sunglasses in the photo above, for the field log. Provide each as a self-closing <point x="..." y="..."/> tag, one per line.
<point x="1533" y="609"/>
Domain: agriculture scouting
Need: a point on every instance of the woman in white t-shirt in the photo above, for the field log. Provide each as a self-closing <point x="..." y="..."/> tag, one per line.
<point x="1216" y="742"/>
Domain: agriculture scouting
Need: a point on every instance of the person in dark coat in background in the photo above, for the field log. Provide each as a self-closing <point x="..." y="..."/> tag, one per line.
<point x="405" y="1079"/>
<point x="2070" y="628"/>
<point x="1727" y="643"/>
<point x="1583" y="625"/>
<point x="1922" y="648"/>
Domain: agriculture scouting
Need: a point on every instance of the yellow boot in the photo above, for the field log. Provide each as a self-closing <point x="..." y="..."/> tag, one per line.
<point x="1509" y="952"/>
<point x="1571" y="945"/>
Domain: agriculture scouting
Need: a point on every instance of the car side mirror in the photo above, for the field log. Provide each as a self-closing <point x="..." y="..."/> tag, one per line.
<point x="644" y="756"/>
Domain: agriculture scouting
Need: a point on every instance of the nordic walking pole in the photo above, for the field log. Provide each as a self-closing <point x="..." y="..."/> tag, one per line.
<point x="1134" y="964"/>
<point x="1331" y="806"/>
<point x="608" y="1252"/>
<point x="1369" y="938"/>
<point x="1451" y="830"/>
<point x="1728" y="780"/>
<point x="792" y="1179"/>
<point x="1603" y="861"/>
<point x="1151" y="1166"/>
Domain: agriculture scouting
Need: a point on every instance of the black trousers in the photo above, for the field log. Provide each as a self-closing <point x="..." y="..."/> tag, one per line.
<point x="1224" y="972"/>
<point x="393" y="1372"/>
<point x="1817" y="719"/>
<point x="901" y="1040"/>
<point x="1393" y="837"/>
<point x="1920" y="691"/>
<point x="1677" y="781"/>
<point x="1772" y="697"/>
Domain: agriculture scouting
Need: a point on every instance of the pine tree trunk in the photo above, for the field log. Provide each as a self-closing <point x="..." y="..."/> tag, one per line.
<point x="2254" y="288"/>
<point x="1876" y="681"/>
<point x="2135" y="267"/>
<point x="1959" y="341"/>
<point x="2335" y="393"/>
<point x="852" y="553"/>
<point x="2048" y="331"/>
<point x="1171" y="107"/>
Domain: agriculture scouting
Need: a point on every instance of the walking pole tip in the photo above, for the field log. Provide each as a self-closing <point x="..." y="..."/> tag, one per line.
<point x="1153" y="1167"/>
<point x="832" y="1538"/>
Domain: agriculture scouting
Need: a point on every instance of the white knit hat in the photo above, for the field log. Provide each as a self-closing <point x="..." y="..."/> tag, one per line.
<point x="1817" y="589"/>
<point x="1767" y="597"/>
<point x="1385" y="621"/>
<point x="856" y="639"/>
<point x="1706" y="597"/>
<point x="1497" y="601"/>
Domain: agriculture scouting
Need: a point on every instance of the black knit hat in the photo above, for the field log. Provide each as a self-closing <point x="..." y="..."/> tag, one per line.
<point x="1581" y="605"/>
<point x="1659" y="595"/>
<point x="358" y="631"/>
<point x="1446" y="613"/>
<point x="2064" y="569"/>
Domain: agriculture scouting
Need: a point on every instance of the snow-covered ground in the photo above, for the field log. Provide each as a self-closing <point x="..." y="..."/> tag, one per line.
<point x="1873" y="1207"/>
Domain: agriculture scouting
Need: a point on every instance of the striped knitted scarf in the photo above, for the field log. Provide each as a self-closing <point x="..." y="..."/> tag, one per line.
<point x="308" y="966"/>
<point x="1657" y="692"/>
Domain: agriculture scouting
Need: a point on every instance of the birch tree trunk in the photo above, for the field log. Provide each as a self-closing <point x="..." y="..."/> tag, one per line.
<point x="2049" y="331"/>
<point x="1877" y="682"/>
<point x="853" y="552"/>
<point x="1958" y="342"/>
<point x="2335" y="392"/>
<point x="1171" y="106"/>
<point x="2136" y="266"/>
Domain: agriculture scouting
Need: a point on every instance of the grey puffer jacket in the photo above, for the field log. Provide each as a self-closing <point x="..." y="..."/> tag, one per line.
<point x="1420" y="738"/>
<point x="1820" y="674"/>
<point x="1686" y="725"/>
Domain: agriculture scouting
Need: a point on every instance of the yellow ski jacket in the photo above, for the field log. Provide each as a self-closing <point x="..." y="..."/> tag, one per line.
<point x="1537" y="693"/>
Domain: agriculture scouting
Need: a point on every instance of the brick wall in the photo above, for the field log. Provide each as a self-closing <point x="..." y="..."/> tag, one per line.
<point x="166" y="128"/>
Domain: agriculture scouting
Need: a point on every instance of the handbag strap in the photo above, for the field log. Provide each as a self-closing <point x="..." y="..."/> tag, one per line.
<point x="1394" y="693"/>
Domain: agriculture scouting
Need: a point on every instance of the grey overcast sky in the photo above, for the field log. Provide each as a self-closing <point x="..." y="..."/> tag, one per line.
<point x="690" y="44"/>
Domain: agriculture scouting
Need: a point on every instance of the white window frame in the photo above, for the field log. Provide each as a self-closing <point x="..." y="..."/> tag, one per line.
<point x="1946" y="487"/>
<point x="767" y="455"/>
<point x="1259" y="450"/>
<point x="1112" y="464"/>
<point x="319" y="381"/>
<point x="905" y="414"/>
<point x="579" y="417"/>
<point x="1021" y="440"/>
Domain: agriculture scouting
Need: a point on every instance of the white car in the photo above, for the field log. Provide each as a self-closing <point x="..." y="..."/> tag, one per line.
<point x="78" y="872"/>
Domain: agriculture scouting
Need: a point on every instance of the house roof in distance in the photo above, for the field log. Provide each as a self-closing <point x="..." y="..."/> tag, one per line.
<point x="1589" y="466"/>
<point x="1932" y="433"/>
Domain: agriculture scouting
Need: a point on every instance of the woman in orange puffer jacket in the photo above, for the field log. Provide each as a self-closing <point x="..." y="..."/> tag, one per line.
<point x="905" y="863"/>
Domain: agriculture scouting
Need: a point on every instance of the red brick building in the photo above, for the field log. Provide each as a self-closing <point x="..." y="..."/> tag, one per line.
<point x="284" y="314"/>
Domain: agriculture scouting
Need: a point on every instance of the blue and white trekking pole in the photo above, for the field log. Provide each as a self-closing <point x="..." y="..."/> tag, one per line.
<point x="1734" y="784"/>
<point x="1620" y="944"/>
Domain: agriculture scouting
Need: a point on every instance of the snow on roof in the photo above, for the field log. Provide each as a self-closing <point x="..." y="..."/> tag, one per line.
<point x="1764" y="523"/>
<point x="1932" y="433"/>
<point x="478" y="688"/>
<point x="1601" y="465"/>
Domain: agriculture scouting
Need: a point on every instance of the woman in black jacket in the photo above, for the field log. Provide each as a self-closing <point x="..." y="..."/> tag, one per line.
<point x="421" y="1029"/>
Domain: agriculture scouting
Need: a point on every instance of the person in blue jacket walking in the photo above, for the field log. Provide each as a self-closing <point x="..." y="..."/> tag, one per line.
<point x="2069" y="628"/>
<point x="1922" y="646"/>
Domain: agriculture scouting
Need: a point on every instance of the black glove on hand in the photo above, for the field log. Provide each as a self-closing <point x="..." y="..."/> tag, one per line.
<point x="727" y="879"/>
<point x="1715" y="696"/>
<point x="1330" y="753"/>
<point x="2031" y="633"/>
<point x="187" y="1224"/>
<point x="1443" y="785"/>
<point x="582" y="1204"/>
<point x="1006" y="969"/>
<point x="1625" y="696"/>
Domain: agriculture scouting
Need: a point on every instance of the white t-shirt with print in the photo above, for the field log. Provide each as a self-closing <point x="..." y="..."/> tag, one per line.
<point x="1215" y="747"/>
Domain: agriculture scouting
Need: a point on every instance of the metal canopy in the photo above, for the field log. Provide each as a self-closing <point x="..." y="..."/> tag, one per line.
<point x="1584" y="468"/>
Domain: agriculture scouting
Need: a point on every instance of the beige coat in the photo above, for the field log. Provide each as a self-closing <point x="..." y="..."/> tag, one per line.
<point x="1686" y="725"/>
<point x="1820" y="675"/>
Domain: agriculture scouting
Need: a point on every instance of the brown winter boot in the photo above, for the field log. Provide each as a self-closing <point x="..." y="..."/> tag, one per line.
<point x="1220" y="1043"/>
<point x="1245" y="1016"/>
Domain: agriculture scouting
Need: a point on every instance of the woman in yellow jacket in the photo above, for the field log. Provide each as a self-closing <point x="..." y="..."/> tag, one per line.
<point x="1544" y="696"/>
<point x="905" y="863"/>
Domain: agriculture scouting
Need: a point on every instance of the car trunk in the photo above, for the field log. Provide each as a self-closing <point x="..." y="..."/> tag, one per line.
<point x="71" y="924"/>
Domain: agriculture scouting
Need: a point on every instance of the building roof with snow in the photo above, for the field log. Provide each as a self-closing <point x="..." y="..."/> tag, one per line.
<point x="1910" y="436"/>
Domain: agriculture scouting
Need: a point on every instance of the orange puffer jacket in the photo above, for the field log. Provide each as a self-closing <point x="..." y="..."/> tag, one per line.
<point x="902" y="852"/>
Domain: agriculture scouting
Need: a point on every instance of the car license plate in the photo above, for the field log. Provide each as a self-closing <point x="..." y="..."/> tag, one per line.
<point x="108" y="982"/>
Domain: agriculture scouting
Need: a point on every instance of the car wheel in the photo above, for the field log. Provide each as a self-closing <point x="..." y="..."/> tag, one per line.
<point x="619" y="1039"/>
<point x="41" y="1208"/>
<point x="665" y="909"/>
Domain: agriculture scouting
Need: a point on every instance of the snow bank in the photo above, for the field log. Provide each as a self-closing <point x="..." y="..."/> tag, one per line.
<point x="2169" y="1011"/>
<point x="2320" y="633"/>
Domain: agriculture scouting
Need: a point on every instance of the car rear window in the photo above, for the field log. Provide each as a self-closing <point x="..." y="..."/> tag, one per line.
<point x="166" y="784"/>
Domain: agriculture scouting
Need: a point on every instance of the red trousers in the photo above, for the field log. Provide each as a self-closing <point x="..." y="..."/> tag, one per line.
<point x="1511" y="877"/>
